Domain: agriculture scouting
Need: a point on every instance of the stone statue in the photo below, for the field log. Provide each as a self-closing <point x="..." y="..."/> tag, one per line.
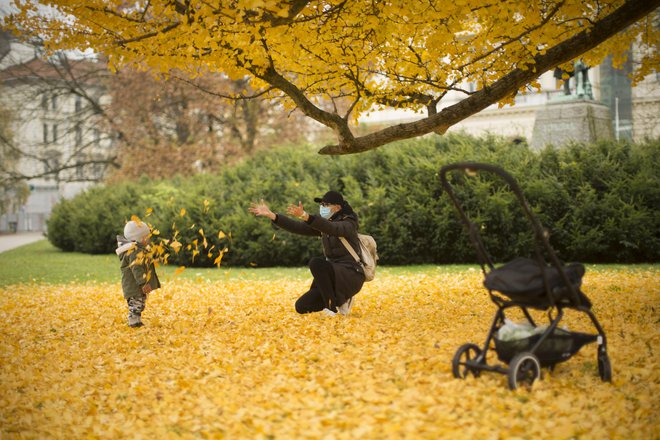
<point x="559" y="74"/>
<point x="582" y="84"/>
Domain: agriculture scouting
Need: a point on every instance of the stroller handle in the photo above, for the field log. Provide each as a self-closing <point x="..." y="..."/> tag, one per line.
<point x="474" y="167"/>
<point x="471" y="168"/>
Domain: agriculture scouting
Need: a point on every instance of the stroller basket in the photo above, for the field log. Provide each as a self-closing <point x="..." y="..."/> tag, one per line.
<point x="559" y="346"/>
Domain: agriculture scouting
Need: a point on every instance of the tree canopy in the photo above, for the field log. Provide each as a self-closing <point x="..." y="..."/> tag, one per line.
<point x="337" y="59"/>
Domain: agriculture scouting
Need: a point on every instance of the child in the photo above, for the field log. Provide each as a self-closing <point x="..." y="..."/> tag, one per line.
<point x="138" y="274"/>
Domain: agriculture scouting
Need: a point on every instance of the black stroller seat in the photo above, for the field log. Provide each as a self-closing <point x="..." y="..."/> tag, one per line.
<point x="542" y="283"/>
<point x="523" y="281"/>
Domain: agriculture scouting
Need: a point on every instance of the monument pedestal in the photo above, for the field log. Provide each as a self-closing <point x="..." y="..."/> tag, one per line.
<point x="576" y="120"/>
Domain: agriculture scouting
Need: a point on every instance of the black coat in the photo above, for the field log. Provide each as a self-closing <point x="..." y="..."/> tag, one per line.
<point x="349" y="275"/>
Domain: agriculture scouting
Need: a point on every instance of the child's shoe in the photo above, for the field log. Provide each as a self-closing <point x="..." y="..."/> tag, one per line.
<point x="134" y="320"/>
<point x="328" y="312"/>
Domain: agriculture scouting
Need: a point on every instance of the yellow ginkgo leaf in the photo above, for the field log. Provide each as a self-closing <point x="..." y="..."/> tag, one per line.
<point x="176" y="245"/>
<point x="179" y="270"/>
<point x="218" y="344"/>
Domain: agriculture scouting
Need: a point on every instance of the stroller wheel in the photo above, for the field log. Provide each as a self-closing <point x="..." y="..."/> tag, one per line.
<point x="604" y="367"/>
<point x="524" y="369"/>
<point x="459" y="365"/>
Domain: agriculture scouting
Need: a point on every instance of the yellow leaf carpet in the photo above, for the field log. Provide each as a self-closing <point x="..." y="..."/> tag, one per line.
<point x="232" y="359"/>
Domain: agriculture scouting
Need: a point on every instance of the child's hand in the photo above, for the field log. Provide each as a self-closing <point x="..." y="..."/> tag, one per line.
<point x="146" y="288"/>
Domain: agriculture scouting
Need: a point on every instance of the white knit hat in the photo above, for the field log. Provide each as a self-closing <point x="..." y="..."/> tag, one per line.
<point x="136" y="231"/>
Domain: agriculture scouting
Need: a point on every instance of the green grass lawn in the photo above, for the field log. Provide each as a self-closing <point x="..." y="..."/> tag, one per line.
<point x="41" y="262"/>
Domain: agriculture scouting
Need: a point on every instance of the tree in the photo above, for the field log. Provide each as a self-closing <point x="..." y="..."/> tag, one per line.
<point x="155" y="127"/>
<point x="181" y="125"/>
<point x="336" y="59"/>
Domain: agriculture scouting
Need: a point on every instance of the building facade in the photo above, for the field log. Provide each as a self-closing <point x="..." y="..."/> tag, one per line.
<point x="54" y="130"/>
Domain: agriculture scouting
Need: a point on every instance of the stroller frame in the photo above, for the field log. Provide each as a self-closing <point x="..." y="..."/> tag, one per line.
<point x="542" y="350"/>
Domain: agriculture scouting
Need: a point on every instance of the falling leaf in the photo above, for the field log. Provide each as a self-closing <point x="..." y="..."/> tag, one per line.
<point x="179" y="270"/>
<point x="176" y="245"/>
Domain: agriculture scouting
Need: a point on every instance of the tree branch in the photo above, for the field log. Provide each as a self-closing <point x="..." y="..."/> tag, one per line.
<point x="13" y="176"/>
<point x="148" y="35"/>
<point x="228" y="97"/>
<point x="332" y="120"/>
<point x="626" y="15"/>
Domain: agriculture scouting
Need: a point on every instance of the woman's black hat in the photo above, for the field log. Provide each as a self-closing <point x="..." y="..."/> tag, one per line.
<point x="332" y="197"/>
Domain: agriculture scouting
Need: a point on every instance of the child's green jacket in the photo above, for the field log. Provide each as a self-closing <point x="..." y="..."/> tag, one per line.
<point x="136" y="270"/>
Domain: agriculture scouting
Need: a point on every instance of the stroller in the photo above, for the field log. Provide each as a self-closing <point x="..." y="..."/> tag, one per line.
<point x="539" y="283"/>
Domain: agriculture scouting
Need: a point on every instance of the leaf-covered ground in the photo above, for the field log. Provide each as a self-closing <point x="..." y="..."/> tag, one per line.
<point x="232" y="359"/>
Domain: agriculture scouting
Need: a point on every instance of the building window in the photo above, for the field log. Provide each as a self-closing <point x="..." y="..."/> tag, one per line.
<point x="45" y="133"/>
<point x="78" y="135"/>
<point x="51" y="167"/>
<point x="54" y="102"/>
<point x="44" y="102"/>
<point x="78" y="104"/>
<point x="97" y="137"/>
<point x="54" y="132"/>
<point x="99" y="168"/>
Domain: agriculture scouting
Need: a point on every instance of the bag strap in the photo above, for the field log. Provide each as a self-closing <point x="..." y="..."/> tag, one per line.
<point x="350" y="250"/>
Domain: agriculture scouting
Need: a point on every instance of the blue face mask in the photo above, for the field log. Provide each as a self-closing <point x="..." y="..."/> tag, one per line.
<point x="325" y="212"/>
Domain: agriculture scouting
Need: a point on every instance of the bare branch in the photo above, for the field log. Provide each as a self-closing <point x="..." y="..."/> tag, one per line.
<point x="221" y="95"/>
<point x="13" y="177"/>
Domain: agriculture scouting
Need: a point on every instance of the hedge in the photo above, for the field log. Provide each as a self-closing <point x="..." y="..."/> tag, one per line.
<point x="599" y="202"/>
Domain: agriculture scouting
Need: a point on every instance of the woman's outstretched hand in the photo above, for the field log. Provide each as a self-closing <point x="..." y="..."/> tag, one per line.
<point x="297" y="211"/>
<point x="262" y="210"/>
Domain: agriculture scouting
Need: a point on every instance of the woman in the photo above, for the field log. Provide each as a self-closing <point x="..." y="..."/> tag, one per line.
<point x="337" y="276"/>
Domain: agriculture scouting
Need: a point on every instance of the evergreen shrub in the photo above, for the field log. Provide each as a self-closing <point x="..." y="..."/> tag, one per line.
<point x="599" y="202"/>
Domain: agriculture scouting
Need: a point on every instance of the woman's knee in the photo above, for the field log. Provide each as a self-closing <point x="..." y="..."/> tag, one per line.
<point x="318" y="264"/>
<point x="301" y="307"/>
<point x="305" y="304"/>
